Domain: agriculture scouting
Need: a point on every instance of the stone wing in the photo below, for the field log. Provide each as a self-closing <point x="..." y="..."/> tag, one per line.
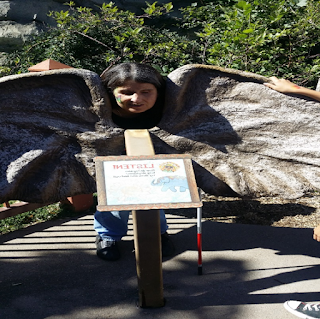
<point x="245" y="139"/>
<point x="52" y="125"/>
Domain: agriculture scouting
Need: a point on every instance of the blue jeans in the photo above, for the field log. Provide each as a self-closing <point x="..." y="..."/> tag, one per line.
<point x="114" y="225"/>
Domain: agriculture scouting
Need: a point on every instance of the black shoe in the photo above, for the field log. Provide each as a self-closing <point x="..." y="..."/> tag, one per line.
<point x="167" y="245"/>
<point x="107" y="250"/>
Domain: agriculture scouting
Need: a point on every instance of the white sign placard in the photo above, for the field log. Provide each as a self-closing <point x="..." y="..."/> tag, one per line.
<point x="146" y="182"/>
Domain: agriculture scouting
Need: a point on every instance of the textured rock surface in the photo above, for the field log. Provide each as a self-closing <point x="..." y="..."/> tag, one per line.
<point x="20" y="19"/>
<point x="257" y="141"/>
<point x="245" y="139"/>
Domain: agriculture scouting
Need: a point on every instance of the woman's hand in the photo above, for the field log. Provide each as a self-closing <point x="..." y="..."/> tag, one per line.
<point x="285" y="86"/>
<point x="282" y="85"/>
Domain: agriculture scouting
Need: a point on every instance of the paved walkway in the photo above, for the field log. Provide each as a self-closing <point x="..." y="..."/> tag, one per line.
<point x="50" y="271"/>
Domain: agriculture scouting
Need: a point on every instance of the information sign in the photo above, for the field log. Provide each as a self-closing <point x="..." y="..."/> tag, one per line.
<point x="146" y="182"/>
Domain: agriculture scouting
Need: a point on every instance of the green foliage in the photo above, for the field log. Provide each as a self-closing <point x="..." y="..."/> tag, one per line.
<point x="96" y="40"/>
<point x="42" y="214"/>
<point x="276" y="37"/>
<point x="25" y="219"/>
<point x="270" y="38"/>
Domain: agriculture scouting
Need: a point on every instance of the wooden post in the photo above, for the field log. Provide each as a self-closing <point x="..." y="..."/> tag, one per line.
<point x="147" y="236"/>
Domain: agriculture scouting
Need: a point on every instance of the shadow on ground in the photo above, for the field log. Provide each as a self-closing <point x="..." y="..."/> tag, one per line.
<point x="263" y="211"/>
<point x="50" y="271"/>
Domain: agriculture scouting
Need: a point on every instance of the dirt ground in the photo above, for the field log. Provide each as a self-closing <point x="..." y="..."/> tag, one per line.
<point x="303" y="212"/>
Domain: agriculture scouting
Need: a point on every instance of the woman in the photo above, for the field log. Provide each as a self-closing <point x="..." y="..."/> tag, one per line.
<point x="137" y="97"/>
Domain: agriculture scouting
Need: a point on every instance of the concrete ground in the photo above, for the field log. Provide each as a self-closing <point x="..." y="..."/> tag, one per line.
<point x="50" y="270"/>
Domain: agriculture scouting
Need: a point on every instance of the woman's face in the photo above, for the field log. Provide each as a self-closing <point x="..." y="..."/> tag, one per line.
<point x="135" y="97"/>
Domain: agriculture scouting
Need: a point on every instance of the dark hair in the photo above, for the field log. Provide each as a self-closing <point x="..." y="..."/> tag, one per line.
<point x="117" y="75"/>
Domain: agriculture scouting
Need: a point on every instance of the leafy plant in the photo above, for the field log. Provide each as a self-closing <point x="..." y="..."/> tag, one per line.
<point x="277" y="37"/>
<point x="95" y="40"/>
<point x="271" y="38"/>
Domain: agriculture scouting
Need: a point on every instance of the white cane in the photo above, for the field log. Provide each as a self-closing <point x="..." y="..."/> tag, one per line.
<point x="199" y="238"/>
